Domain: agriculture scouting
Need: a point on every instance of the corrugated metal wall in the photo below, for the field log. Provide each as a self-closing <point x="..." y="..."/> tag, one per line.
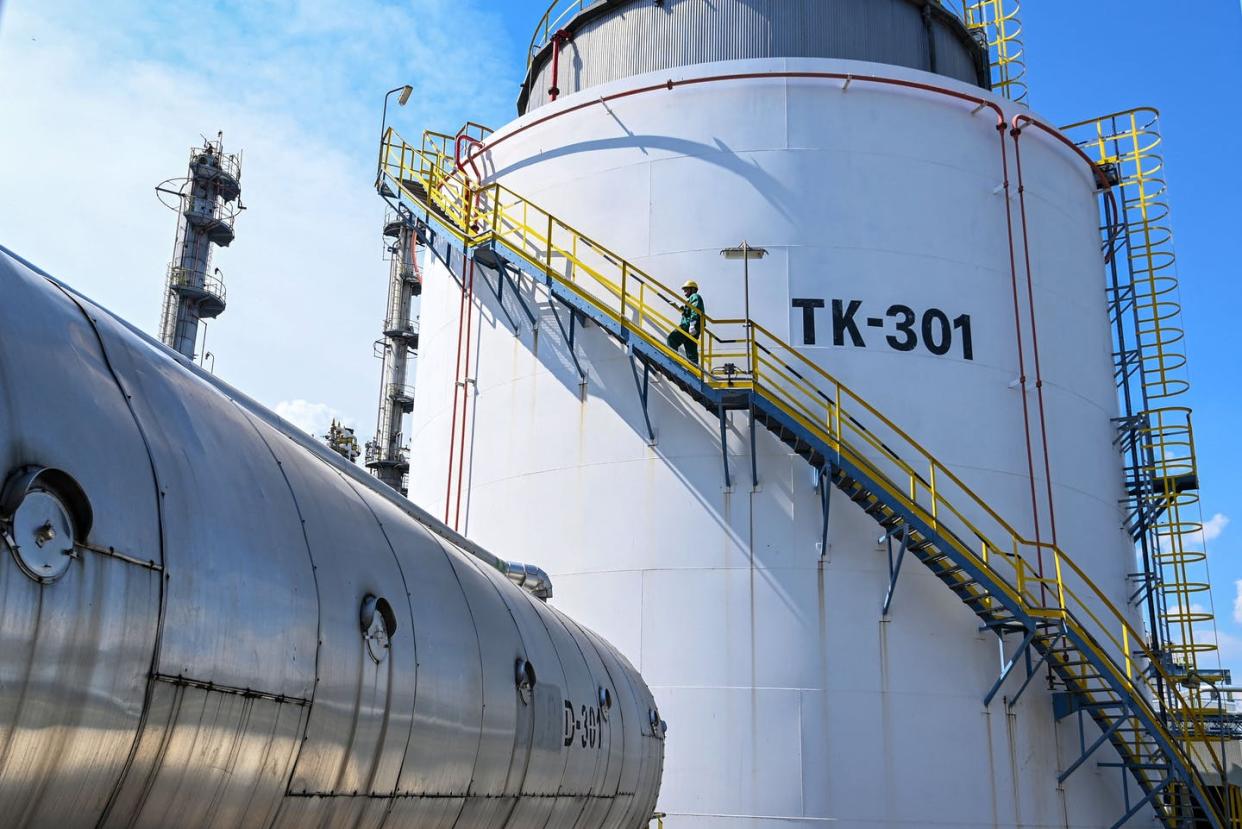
<point x="617" y="38"/>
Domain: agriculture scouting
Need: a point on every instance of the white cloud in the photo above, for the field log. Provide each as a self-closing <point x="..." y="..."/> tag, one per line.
<point x="1237" y="601"/>
<point x="1230" y="650"/>
<point x="1213" y="527"/>
<point x="310" y="417"/>
<point x="101" y="102"/>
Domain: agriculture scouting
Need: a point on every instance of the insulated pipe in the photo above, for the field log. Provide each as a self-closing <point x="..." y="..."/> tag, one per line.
<point x="1017" y="323"/>
<point x="1102" y="180"/>
<point x="557" y="40"/>
<point x="471" y="141"/>
<point x="1030" y="305"/>
<point x="465" y="390"/>
<point x="461" y="319"/>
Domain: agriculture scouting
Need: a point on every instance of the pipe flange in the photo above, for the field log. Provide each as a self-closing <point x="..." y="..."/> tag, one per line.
<point x="379" y="623"/>
<point x="43" y="516"/>
<point x="40" y="537"/>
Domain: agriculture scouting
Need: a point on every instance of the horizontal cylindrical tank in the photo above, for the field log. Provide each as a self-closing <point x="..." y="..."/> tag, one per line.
<point x="208" y="620"/>
<point x="888" y="201"/>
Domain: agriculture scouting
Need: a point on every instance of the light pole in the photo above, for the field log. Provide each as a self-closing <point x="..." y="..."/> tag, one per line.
<point x="405" y="96"/>
<point x="746" y="252"/>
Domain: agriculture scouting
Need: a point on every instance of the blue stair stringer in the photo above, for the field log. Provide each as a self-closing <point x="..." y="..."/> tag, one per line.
<point x="1088" y="680"/>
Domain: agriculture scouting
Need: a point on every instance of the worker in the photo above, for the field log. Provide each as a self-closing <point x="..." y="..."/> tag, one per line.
<point x="688" y="333"/>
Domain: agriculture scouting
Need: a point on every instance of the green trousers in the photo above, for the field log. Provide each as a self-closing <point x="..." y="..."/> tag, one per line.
<point x="678" y="338"/>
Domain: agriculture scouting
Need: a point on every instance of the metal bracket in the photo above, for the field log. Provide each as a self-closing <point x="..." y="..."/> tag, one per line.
<point x="1147" y="798"/>
<point x="1023" y="651"/>
<point x="894" y="569"/>
<point x="643" y="389"/>
<point x="506" y="271"/>
<point x="824" y="484"/>
<point x="499" y="291"/>
<point x="754" y="462"/>
<point x="1087" y="752"/>
<point x="568" y="334"/>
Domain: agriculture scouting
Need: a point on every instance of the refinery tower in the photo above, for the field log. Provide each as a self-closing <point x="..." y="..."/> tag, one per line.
<point x="874" y="546"/>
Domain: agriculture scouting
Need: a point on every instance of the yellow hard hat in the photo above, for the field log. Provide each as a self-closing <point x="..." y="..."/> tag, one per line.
<point x="691" y="284"/>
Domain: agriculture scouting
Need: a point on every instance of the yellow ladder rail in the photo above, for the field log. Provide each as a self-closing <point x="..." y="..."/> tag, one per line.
<point x="999" y="23"/>
<point x="1130" y="141"/>
<point x="1037" y="577"/>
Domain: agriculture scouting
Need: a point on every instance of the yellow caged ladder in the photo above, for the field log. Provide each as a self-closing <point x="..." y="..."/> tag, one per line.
<point x="1156" y="437"/>
<point x="1102" y="666"/>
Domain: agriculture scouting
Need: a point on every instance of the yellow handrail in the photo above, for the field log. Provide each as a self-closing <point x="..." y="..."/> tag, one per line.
<point x="1038" y="577"/>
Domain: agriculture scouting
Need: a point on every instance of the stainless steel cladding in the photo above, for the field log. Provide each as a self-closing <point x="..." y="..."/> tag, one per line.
<point x="612" y="39"/>
<point x="209" y="621"/>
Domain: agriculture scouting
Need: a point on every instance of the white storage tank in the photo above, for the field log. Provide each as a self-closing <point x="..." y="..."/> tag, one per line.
<point x="896" y="261"/>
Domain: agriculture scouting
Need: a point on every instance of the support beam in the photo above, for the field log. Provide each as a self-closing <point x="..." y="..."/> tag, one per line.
<point x="1147" y="798"/>
<point x="1022" y="651"/>
<point x="754" y="462"/>
<point x="894" y="569"/>
<point x="724" y="446"/>
<point x="568" y="334"/>
<point x="1109" y="732"/>
<point x="825" y="495"/>
<point x="643" y="390"/>
<point x="1031" y="670"/>
<point x="507" y="271"/>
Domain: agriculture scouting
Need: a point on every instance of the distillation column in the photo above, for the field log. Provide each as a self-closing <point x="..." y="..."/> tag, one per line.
<point x="386" y="455"/>
<point x="207" y="202"/>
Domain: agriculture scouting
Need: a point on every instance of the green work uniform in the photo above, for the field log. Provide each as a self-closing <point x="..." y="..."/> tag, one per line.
<point x="691" y="324"/>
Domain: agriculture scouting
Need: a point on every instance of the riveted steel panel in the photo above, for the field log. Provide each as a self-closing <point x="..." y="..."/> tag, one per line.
<point x="546" y="770"/>
<point x="74" y="654"/>
<point x="616" y="39"/>
<point x="240" y="608"/>
<point x="609" y="753"/>
<point x="448" y="697"/>
<point x="425" y="812"/>
<point x="209" y="759"/>
<point x="583" y="753"/>
<point x="358" y="729"/>
<point x="505" y="721"/>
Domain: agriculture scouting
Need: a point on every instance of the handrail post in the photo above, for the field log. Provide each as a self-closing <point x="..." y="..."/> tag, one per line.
<point x="836" y="415"/>
<point x="548" y="242"/>
<point x="625" y="271"/>
<point x="754" y="363"/>
<point x="495" y="212"/>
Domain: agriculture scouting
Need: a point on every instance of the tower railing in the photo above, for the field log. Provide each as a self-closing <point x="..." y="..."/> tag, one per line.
<point x="1035" y="580"/>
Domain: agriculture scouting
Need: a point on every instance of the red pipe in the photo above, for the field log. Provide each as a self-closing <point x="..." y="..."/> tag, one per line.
<point x="465" y="389"/>
<point x="1017" y="322"/>
<point x="1016" y="132"/>
<point x="557" y="39"/>
<point x="470" y="157"/>
<point x="448" y="480"/>
<point x="670" y="84"/>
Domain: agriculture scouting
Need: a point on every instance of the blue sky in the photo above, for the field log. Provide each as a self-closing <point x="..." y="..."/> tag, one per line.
<point x="122" y="88"/>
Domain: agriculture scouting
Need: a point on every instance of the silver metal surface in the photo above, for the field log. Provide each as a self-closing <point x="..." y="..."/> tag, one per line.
<point x="246" y="631"/>
<point x="612" y="39"/>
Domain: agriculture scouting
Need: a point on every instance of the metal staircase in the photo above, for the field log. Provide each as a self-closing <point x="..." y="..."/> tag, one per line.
<point x="1100" y="665"/>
